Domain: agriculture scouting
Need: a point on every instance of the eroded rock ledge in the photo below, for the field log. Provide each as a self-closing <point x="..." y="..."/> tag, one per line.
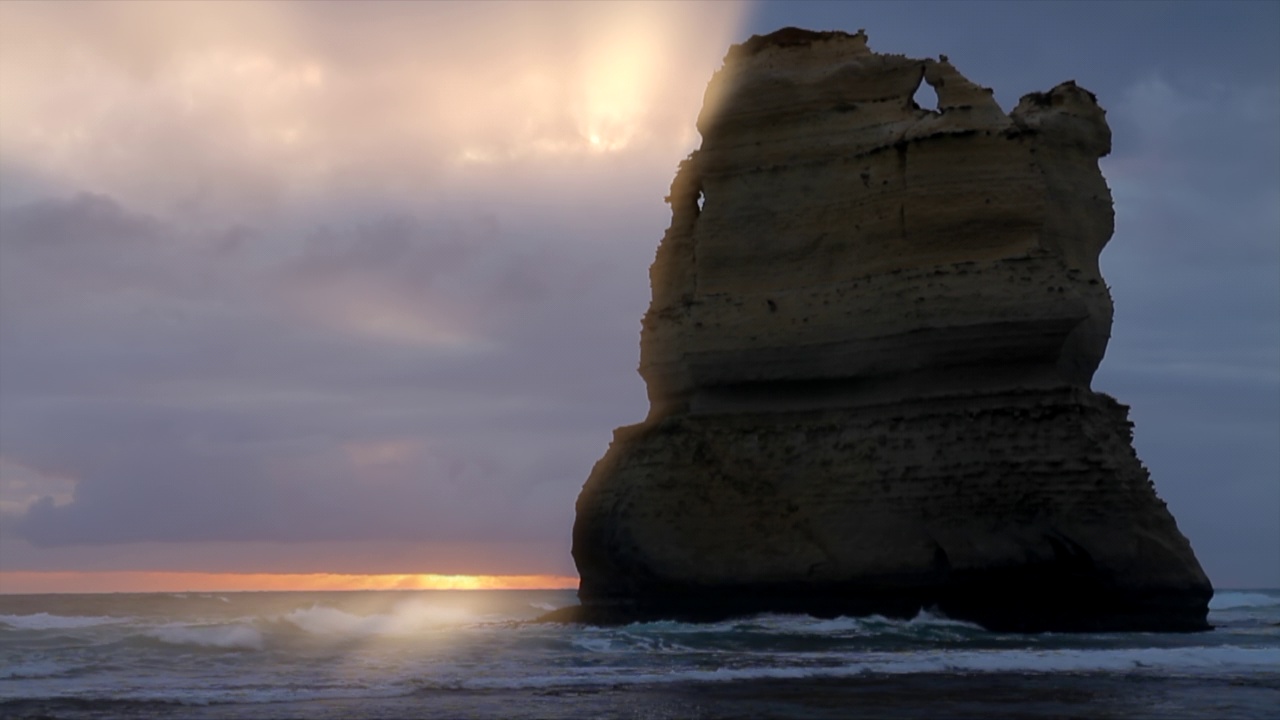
<point x="868" y="357"/>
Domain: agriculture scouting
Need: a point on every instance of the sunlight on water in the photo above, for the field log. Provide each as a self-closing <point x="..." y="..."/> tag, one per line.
<point x="411" y="617"/>
<point x="476" y="652"/>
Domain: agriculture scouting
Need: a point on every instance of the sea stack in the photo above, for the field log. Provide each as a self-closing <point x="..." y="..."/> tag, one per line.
<point x="868" y="358"/>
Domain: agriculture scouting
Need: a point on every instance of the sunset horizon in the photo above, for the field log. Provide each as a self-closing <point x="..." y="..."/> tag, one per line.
<point x="287" y="289"/>
<point x="89" y="582"/>
<point x="543" y="360"/>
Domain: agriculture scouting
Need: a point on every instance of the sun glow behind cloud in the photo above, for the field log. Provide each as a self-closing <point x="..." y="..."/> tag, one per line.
<point x="221" y="105"/>
<point x="601" y="105"/>
<point x="213" y="114"/>
<point x="336" y="253"/>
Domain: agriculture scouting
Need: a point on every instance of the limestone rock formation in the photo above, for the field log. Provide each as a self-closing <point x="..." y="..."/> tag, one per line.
<point x="868" y="358"/>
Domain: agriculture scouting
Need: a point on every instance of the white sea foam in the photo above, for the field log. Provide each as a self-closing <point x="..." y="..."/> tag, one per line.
<point x="429" y="642"/>
<point x="1171" y="661"/>
<point x="45" y="621"/>
<point x="230" y="637"/>
<point x="1160" y="661"/>
<point x="775" y="624"/>
<point x="406" y="618"/>
<point x="873" y="624"/>
<point x="593" y="644"/>
<point x="1232" y="600"/>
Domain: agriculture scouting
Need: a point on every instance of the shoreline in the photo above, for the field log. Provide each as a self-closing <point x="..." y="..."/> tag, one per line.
<point x="992" y="696"/>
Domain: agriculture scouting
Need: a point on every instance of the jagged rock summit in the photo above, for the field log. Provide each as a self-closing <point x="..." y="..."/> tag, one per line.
<point x="868" y="357"/>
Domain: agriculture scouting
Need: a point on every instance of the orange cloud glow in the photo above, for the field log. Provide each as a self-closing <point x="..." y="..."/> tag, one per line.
<point x="248" y="103"/>
<point x="129" y="581"/>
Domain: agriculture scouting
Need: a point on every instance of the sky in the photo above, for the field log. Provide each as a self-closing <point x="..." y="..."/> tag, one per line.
<point x="330" y="290"/>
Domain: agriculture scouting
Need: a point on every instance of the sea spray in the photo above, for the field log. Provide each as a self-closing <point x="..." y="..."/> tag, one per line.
<point x="479" y="654"/>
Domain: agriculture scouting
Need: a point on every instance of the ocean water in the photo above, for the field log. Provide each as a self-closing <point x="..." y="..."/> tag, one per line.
<point x="475" y="654"/>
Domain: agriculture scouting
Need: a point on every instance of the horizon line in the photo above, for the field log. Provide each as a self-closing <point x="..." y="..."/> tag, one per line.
<point x="59" y="582"/>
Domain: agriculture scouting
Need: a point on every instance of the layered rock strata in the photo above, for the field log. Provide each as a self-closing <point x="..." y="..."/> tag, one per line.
<point x="868" y="358"/>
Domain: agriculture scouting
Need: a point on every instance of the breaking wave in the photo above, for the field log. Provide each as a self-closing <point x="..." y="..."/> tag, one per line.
<point x="45" y="621"/>
<point x="422" y="647"/>
<point x="227" y="637"/>
<point x="1155" y="661"/>
<point x="407" y="618"/>
<point x="925" y="623"/>
<point x="1233" y="600"/>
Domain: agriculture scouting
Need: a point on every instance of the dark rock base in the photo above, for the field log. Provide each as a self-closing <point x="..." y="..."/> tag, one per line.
<point x="1000" y="602"/>
<point x="1022" y="511"/>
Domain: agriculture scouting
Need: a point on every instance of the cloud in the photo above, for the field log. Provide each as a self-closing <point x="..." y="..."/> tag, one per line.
<point x="208" y="108"/>
<point x="285" y="276"/>
<point x="290" y="272"/>
<point x="1198" y="211"/>
<point x="21" y="487"/>
<point x="190" y="393"/>
<point x="1195" y="273"/>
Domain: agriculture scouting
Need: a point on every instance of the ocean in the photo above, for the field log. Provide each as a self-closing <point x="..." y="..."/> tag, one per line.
<point x="476" y="654"/>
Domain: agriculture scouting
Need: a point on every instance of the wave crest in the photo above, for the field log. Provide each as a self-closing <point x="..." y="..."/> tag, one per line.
<point x="1232" y="600"/>
<point x="227" y="637"/>
<point x="779" y="624"/>
<point x="45" y="621"/>
<point x="406" y="618"/>
<point x="1151" y="661"/>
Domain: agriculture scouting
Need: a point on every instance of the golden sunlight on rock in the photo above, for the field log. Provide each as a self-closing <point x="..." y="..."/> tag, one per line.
<point x="868" y="356"/>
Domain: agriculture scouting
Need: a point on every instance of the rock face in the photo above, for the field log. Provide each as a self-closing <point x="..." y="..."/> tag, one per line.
<point x="868" y="359"/>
